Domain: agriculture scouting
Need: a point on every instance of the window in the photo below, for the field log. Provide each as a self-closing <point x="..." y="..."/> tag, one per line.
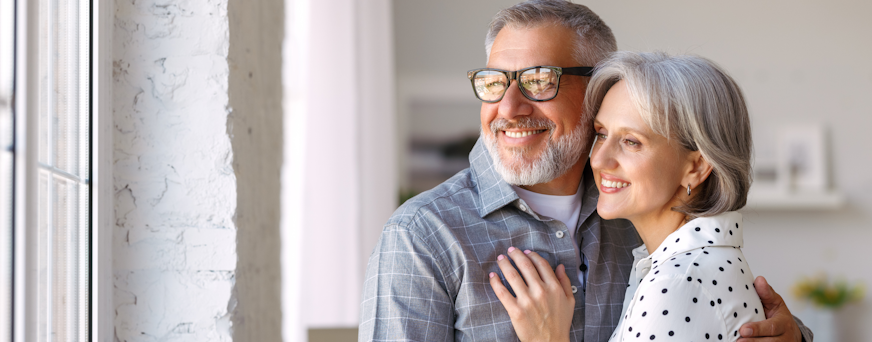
<point x="7" y="26"/>
<point x="50" y="154"/>
<point x="64" y="171"/>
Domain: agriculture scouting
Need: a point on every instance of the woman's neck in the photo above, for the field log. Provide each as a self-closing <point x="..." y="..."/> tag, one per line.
<point x="655" y="227"/>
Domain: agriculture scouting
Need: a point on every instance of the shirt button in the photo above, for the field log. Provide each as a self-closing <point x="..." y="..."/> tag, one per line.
<point x="523" y="207"/>
<point x="574" y="289"/>
<point x="559" y="234"/>
<point x="582" y="267"/>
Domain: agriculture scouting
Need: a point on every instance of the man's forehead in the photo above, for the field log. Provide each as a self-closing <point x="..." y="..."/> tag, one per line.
<point x="519" y="58"/>
<point x="517" y="48"/>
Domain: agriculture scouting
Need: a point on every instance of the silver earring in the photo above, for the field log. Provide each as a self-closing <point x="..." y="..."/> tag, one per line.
<point x="688" y="189"/>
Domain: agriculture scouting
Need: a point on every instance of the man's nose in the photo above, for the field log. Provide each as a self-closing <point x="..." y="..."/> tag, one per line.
<point x="603" y="154"/>
<point x="514" y="104"/>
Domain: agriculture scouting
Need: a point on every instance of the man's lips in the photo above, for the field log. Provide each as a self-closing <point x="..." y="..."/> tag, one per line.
<point x="519" y="133"/>
<point x="523" y="133"/>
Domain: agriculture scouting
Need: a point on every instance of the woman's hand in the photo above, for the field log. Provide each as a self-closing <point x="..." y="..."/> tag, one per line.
<point x="543" y="308"/>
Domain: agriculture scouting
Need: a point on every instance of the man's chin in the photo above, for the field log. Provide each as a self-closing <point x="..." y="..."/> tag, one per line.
<point x="517" y="164"/>
<point x="519" y="155"/>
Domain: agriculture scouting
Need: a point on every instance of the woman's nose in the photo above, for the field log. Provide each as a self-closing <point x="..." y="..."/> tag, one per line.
<point x="514" y="104"/>
<point x="602" y="156"/>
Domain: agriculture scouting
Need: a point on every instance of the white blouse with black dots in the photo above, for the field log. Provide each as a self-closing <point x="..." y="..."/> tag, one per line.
<point x="697" y="286"/>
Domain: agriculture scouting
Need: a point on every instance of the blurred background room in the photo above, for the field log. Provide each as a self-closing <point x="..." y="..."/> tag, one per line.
<point x="220" y="170"/>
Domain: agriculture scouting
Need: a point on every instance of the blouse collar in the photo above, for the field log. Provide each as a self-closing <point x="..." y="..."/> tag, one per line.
<point x="724" y="230"/>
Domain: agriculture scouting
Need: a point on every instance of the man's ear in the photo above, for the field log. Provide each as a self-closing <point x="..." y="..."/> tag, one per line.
<point x="698" y="171"/>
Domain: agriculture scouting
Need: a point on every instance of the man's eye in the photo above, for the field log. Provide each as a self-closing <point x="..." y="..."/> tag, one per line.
<point x="536" y="83"/>
<point x="495" y="85"/>
<point x="631" y="143"/>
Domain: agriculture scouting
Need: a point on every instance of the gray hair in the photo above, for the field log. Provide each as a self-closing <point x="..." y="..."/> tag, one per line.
<point x="693" y="101"/>
<point x="595" y="39"/>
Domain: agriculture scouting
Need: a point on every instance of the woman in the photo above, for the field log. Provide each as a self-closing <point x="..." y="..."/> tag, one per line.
<point x="672" y="155"/>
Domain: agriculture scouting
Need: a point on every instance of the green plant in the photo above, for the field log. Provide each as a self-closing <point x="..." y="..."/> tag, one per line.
<point x="827" y="294"/>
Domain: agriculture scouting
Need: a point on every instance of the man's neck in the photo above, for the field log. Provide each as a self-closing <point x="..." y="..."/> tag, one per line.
<point x="565" y="185"/>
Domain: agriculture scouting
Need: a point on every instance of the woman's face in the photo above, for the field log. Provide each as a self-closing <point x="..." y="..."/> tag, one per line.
<point x="639" y="173"/>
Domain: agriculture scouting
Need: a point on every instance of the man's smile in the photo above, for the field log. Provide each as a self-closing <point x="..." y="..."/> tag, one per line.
<point x="517" y="137"/>
<point x="524" y="133"/>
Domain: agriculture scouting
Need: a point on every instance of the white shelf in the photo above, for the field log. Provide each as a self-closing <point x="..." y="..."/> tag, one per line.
<point x="782" y="200"/>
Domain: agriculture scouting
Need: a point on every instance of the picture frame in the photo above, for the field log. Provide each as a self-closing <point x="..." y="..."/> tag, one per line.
<point x="801" y="158"/>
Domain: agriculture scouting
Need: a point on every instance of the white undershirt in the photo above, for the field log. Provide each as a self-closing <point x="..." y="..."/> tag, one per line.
<point x="565" y="209"/>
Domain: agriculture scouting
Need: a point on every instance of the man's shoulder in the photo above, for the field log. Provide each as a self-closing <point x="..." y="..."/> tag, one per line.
<point x="455" y="195"/>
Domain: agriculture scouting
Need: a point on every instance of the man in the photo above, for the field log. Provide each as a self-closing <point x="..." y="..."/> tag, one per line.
<point x="528" y="187"/>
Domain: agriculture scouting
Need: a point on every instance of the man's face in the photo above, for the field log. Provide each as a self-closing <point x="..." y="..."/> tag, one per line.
<point x="535" y="142"/>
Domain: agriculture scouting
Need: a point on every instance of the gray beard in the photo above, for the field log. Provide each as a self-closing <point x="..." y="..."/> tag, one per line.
<point x="557" y="158"/>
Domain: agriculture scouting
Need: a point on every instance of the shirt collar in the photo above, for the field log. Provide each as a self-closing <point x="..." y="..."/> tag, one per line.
<point x="493" y="191"/>
<point x="724" y="230"/>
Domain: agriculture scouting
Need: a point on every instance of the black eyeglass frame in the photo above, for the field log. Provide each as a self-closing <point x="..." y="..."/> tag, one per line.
<point x="513" y="75"/>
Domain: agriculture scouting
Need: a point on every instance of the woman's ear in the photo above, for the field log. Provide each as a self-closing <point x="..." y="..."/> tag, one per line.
<point x="699" y="170"/>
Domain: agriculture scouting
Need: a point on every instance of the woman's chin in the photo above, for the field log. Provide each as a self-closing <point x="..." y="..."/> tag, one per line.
<point x="608" y="213"/>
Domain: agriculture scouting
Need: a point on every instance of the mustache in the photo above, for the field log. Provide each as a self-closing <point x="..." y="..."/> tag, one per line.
<point x="523" y="122"/>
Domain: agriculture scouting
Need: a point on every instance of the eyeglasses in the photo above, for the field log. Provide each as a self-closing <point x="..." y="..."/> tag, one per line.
<point x="538" y="83"/>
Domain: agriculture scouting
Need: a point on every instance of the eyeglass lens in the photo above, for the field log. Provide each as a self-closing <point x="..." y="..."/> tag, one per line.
<point x="537" y="83"/>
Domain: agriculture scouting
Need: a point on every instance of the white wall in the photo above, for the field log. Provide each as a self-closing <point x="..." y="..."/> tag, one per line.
<point x="797" y="61"/>
<point x="175" y="190"/>
<point x="338" y="180"/>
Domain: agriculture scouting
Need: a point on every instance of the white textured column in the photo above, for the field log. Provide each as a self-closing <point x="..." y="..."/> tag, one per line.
<point x="175" y="190"/>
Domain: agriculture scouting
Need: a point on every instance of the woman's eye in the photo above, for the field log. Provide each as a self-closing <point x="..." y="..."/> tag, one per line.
<point x="600" y="136"/>
<point x="631" y="143"/>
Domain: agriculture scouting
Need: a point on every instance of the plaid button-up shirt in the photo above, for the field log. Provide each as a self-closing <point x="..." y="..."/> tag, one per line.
<point x="427" y="279"/>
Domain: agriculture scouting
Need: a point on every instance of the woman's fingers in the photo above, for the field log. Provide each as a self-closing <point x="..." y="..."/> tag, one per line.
<point x="512" y="276"/>
<point x="542" y="267"/>
<point x="565" y="283"/>
<point x="502" y="292"/>
<point x="542" y="310"/>
<point x="531" y="274"/>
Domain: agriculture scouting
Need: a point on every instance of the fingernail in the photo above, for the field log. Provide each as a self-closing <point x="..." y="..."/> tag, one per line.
<point x="526" y="251"/>
<point x="511" y="249"/>
<point x="491" y="275"/>
<point x="500" y="257"/>
<point x="747" y="332"/>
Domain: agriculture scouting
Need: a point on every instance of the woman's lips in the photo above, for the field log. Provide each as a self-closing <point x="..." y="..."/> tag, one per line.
<point x="610" y="184"/>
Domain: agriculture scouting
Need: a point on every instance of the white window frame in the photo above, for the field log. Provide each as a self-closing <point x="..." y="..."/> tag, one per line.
<point x="26" y="177"/>
<point x="26" y="104"/>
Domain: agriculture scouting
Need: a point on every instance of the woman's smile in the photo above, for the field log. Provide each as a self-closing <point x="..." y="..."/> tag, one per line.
<point x="610" y="184"/>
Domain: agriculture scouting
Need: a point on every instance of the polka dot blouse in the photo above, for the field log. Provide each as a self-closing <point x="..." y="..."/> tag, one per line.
<point x="696" y="286"/>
